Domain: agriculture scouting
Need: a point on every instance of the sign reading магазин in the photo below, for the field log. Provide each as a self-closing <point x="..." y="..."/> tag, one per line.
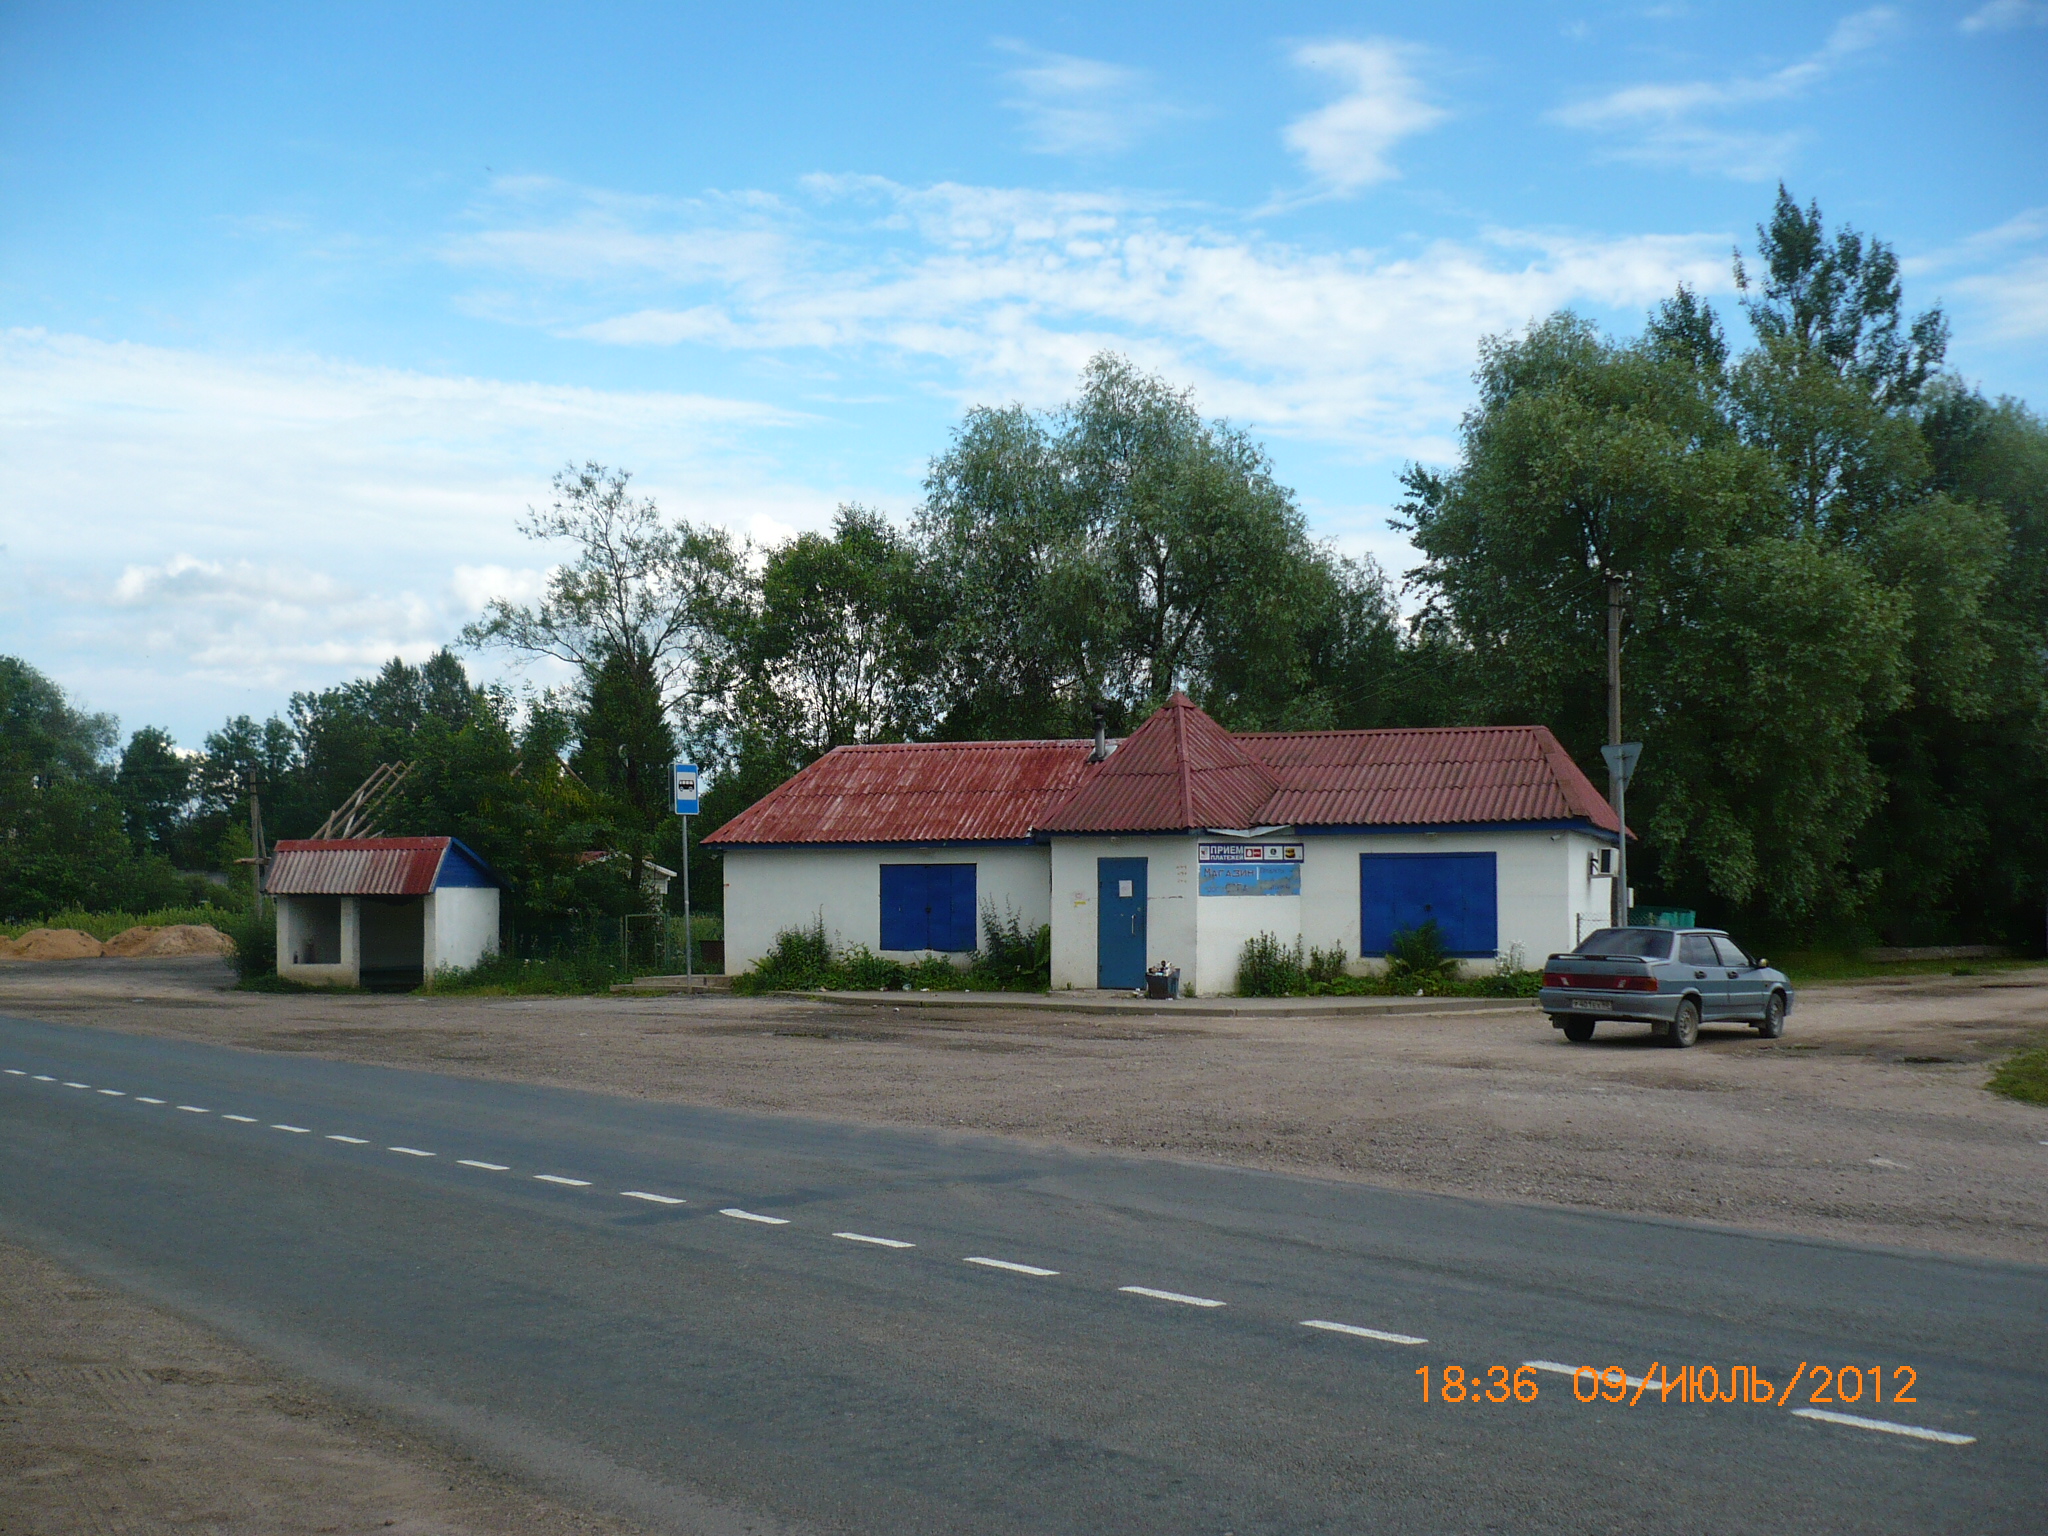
<point x="1250" y="869"/>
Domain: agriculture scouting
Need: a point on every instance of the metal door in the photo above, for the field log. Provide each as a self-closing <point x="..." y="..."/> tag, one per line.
<point x="1120" y="923"/>
<point x="1700" y="965"/>
<point x="1747" y="989"/>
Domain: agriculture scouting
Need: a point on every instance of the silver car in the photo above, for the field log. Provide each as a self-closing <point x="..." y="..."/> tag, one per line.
<point x="1672" y="979"/>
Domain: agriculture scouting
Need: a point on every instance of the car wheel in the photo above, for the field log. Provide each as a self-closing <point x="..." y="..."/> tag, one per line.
<point x="1685" y="1025"/>
<point x="1773" y="1024"/>
<point x="1578" y="1031"/>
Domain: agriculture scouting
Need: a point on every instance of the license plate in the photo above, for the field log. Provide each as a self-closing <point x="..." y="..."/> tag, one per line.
<point x="1591" y="1005"/>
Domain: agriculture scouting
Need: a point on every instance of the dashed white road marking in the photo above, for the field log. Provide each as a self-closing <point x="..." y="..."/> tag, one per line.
<point x="296" y="1130"/>
<point x="879" y="1242"/>
<point x="354" y="1141"/>
<point x="194" y="1109"/>
<point x="1184" y="1300"/>
<point x="643" y="1194"/>
<point x="16" y="1072"/>
<point x="78" y="1085"/>
<point x="556" y="1178"/>
<point x="113" y="1093"/>
<point x="1021" y="1269"/>
<point x="470" y="1162"/>
<point x="1884" y="1426"/>
<point x="740" y="1215"/>
<point x="145" y="1099"/>
<point x="44" y="1077"/>
<point x="244" y="1119"/>
<point x="1362" y="1333"/>
<point x="409" y="1151"/>
<point x="1558" y="1369"/>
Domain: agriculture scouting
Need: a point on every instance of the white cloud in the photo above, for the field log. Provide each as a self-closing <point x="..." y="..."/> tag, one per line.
<point x="995" y="294"/>
<point x="1076" y="106"/>
<point x="1671" y="124"/>
<point x="2005" y="15"/>
<point x="1346" y="144"/>
<point x="1996" y="279"/>
<point x="183" y="528"/>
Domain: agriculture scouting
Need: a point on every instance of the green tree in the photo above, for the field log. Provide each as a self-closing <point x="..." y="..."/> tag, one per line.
<point x="624" y="748"/>
<point x="155" y="781"/>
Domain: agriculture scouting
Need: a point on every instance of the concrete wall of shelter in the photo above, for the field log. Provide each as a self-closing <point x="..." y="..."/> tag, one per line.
<point x="345" y="972"/>
<point x="461" y="927"/>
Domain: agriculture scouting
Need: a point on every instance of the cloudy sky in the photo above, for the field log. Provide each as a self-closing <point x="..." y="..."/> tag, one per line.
<point x="301" y="306"/>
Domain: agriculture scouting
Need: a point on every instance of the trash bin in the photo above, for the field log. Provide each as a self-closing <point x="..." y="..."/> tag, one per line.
<point x="1163" y="983"/>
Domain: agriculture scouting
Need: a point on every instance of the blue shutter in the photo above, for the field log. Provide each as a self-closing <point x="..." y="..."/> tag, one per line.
<point x="1460" y="891"/>
<point x="952" y="907"/>
<point x="905" y="924"/>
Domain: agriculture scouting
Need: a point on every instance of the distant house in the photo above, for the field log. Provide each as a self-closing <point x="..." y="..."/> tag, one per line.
<point x="380" y="911"/>
<point x="1179" y="845"/>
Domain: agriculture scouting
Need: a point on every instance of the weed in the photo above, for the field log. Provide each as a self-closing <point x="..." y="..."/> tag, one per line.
<point x="2023" y="1076"/>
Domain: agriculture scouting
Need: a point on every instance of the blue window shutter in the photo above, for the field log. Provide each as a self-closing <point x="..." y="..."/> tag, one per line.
<point x="1460" y="891"/>
<point x="952" y="906"/>
<point x="905" y="897"/>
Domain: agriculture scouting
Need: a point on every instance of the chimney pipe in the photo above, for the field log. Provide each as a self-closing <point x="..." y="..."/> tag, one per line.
<point x="1101" y="740"/>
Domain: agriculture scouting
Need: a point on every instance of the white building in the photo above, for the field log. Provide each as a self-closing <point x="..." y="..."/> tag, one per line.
<point x="380" y="911"/>
<point x="1178" y="846"/>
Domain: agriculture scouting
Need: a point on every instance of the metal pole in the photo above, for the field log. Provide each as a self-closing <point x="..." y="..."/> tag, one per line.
<point x="689" y="934"/>
<point x="1617" y="784"/>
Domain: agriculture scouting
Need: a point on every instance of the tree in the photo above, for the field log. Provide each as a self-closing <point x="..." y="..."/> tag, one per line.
<point x="156" y="785"/>
<point x="636" y="587"/>
<point x="623" y="753"/>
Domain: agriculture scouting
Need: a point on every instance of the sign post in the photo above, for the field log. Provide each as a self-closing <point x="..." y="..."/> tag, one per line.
<point x="1621" y="767"/>
<point x="683" y="780"/>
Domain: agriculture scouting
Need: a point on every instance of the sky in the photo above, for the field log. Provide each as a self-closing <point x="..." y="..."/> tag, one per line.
<point x="302" y="307"/>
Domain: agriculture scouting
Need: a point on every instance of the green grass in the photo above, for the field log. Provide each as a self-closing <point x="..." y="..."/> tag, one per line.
<point x="104" y="925"/>
<point x="1805" y="967"/>
<point x="270" y="981"/>
<point x="2023" y="1076"/>
<point x="577" y="974"/>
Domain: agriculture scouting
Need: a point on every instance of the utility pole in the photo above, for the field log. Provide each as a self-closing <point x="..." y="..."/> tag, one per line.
<point x="1621" y="756"/>
<point x="257" y="862"/>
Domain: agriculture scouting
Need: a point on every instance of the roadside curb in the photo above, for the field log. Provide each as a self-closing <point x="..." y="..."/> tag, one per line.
<point x="1199" y="1008"/>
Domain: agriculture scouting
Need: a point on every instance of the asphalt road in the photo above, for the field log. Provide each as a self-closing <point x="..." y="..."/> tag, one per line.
<point x="486" y="1258"/>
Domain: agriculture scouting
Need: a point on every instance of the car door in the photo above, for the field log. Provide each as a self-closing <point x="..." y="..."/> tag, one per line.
<point x="1701" y="966"/>
<point x="1745" y="982"/>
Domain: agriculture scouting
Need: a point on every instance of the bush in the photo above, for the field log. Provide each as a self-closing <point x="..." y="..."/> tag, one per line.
<point x="570" y="973"/>
<point x="1416" y="958"/>
<point x="1011" y="958"/>
<point x="1325" y="965"/>
<point x="803" y="960"/>
<point x="2023" y="1077"/>
<point x="1268" y="968"/>
<point x="255" y="937"/>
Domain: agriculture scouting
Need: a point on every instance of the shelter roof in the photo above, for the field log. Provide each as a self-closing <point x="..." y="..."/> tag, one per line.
<point x="916" y="792"/>
<point x="373" y="866"/>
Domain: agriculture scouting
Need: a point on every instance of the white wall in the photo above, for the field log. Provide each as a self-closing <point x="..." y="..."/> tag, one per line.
<point x="1228" y="921"/>
<point x="768" y="890"/>
<point x="346" y="973"/>
<point x="1541" y="885"/>
<point x="1170" y="933"/>
<point x="461" y="927"/>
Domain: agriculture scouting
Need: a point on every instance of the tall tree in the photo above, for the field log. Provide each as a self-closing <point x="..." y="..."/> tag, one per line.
<point x="156" y="786"/>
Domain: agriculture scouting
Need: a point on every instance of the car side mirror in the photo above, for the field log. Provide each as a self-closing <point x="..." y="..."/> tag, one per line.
<point x="1760" y="964"/>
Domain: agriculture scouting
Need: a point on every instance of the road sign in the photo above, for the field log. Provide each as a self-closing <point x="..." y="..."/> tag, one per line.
<point x="685" y="775"/>
<point x="1621" y="760"/>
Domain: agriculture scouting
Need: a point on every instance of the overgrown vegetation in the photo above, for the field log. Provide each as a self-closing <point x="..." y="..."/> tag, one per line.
<point x="570" y="973"/>
<point x="1267" y="967"/>
<point x="1012" y="959"/>
<point x="2023" y="1076"/>
<point x="255" y="938"/>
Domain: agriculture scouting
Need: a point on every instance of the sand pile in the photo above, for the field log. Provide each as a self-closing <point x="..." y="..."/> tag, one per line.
<point x="178" y="939"/>
<point x="51" y="944"/>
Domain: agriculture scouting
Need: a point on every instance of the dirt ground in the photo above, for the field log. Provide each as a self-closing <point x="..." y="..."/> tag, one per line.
<point x="118" y="1418"/>
<point x="1867" y="1122"/>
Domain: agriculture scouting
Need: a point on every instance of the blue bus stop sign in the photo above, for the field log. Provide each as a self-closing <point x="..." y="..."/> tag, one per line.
<point x="685" y="777"/>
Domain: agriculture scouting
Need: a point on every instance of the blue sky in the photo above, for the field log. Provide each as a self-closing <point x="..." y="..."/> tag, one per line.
<point x="301" y="306"/>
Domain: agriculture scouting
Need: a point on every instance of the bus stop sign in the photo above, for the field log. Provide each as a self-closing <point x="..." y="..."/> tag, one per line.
<point x="686" y="788"/>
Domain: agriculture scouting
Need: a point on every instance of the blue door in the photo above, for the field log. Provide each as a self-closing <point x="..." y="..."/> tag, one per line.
<point x="1120" y="923"/>
<point x="1458" y="891"/>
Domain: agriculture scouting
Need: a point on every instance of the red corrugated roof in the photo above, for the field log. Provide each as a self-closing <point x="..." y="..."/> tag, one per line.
<point x="1424" y="777"/>
<point x="1179" y="769"/>
<point x="355" y="866"/>
<point x="918" y="792"/>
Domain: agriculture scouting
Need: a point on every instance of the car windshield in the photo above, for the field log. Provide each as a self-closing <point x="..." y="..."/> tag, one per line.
<point x="1649" y="943"/>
